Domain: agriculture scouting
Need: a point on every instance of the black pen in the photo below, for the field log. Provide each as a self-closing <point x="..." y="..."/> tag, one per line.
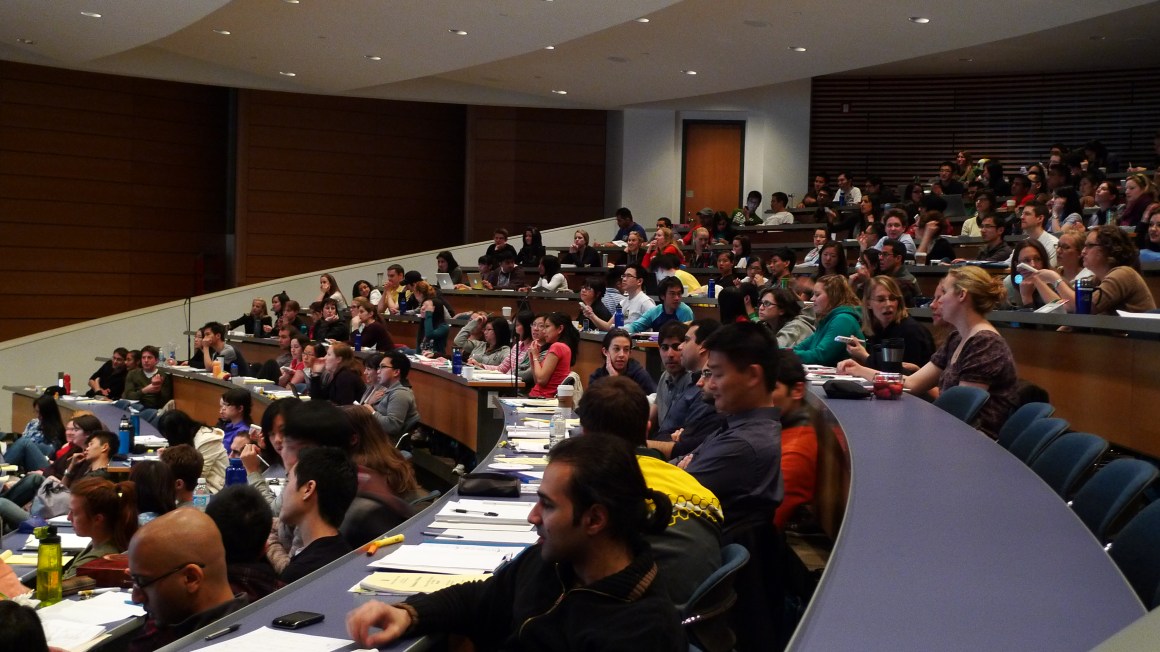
<point x="439" y="535"/>
<point x="474" y="511"/>
<point x="220" y="633"/>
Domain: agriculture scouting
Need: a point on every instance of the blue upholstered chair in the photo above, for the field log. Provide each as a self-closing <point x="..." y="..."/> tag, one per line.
<point x="1066" y="459"/>
<point x="706" y="615"/>
<point x="963" y="402"/>
<point x="1101" y="501"/>
<point x="1037" y="437"/>
<point x="1020" y="419"/>
<point x="1136" y="551"/>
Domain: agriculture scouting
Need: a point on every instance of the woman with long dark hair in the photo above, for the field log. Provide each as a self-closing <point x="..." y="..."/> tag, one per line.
<point x="780" y="312"/>
<point x="328" y="289"/>
<point x="156" y="489"/>
<point x="533" y="249"/>
<point x="561" y="341"/>
<point x="446" y="264"/>
<point x="43" y="435"/>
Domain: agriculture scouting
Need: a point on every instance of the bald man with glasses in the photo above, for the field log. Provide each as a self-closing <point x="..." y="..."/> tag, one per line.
<point x="177" y="564"/>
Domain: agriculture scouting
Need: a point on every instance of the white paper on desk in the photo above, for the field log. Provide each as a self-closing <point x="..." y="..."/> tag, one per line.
<point x="68" y="541"/>
<point x="447" y="558"/>
<point x="71" y="636"/>
<point x="59" y="520"/>
<point x="533" y="461"/>
<point x="1138" y="315"/>
<point x="530" y="402"/>
<point x="494" y="527"/>
<point x="486" y="536"/>
<point x="104" y="609"/>
<point x="536" y="410"/>
<point x="265" y="638"/>
<point x="531" y="446"/>
<point x="151" y="441"/>
<point x="513" y="513"/>
<point x="528" y="433"/>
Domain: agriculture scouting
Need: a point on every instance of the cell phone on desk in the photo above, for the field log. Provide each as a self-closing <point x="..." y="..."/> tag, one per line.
<point x="297" y="620"/>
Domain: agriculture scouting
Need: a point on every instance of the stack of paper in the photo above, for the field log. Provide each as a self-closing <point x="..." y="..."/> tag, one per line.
<point x="486" y="512"/>
<point x="521" y="538"/>
<point x="447" y="559"/>
<point x="104" y="609"/>
<point x="531" y="446"/>
<point x="529" y="402"/>
<point x="71" y="636"/>
<point x="265" y="638"/>
<point x="68" y="541"/>
<point x="412" y="583"/>
<point x="525" y="432"/>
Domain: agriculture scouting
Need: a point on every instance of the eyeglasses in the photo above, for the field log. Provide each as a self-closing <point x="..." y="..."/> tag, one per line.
<point x="623" y="276"/>
<point x="768" y="304"/>
<point x="385" y="366"/>
<point x="142" y="584"/>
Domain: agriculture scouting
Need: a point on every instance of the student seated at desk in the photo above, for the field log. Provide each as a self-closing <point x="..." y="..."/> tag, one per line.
<point x="109" y="379"/>
<point x="395" y="411"/>
<point x="618" y="361"/>
<point x="780" y="311"/>
<point x="445" y="263"/>
<point x="177" y="566"/>
<point x="559" y="346"/>
<point x="335" y="378"/>
<point x="633" y="251"/>
<point x="156" y="489"/>
<point x="885" y="317"/>
<point x="257" y="322"/>
<point x="104" y="512"/>
<point x="292" y="371"/>
<point x="148" y="389"/>
<point x="178" y="428"/>
<point x="319" y="490"/>
<point x="634" y="302"/>
<point x="670" y="309"/>
<point x="839" y="313"/>
<point x="551" y="280"/>
<point x="592" y="301"/>
<point x="533" y="249"/>
<point x="332" y="326"/>
<point x="507" y="276"/>
<point x="975" y="354"/>
<point x="43" y="435"/>
<point x="244" y="520"/>
<point x="1114" y="262"/>
<point x="185" y="466"/>
<point x="590" y="583"/>
<point x="366" y="323"/>
<point x="483" y="339"/>
<point x="667" y="266"/>
<point x="432" y="309"/>
<point x="234" y="411"/>
<point x="518" y="353"/>
<point x="94" y="461"/>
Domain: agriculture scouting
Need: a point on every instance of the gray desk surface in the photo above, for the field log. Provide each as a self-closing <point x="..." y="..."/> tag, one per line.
<point x="949" y="542"/>
<point x="109" y="414"/>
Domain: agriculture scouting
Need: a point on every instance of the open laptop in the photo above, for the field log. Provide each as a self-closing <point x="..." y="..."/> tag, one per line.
<point x="444" y="281"/>
<point x="955" y="206"/>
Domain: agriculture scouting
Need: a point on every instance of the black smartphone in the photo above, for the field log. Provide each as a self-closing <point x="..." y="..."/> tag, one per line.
<point x="297" y="620"/>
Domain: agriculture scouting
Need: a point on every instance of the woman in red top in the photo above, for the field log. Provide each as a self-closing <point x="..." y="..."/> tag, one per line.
<point x="663" y="243"/>
<point x="560" y="341"/>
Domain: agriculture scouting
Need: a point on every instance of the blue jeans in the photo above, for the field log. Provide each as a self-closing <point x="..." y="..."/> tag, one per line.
<point x="12" y="514"/>
<point x="28" y="455"/>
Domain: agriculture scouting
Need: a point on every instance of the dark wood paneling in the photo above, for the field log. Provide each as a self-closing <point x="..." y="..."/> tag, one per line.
<point x="330" y="181"/>
<point x="110" y="189"/>
<point x="533" y="166"/>
<point x="900" y="127"/>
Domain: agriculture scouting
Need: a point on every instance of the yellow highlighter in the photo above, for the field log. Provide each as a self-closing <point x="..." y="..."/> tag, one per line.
<point x="374" y="546"/>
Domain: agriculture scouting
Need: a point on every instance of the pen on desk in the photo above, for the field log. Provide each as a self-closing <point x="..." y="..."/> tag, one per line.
<point x="474" y="511"/>
<point x="222" y="632"/>
<point x="440" y="535"/>
<point x="88" y="593"/>
<point x="374" y="546"/>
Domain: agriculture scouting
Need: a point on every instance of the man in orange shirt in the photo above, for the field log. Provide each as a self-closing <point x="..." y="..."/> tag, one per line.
<point x="799" y="439"/>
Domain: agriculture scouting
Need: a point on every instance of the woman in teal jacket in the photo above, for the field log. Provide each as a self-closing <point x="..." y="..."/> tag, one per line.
<point x="839" y="313"/>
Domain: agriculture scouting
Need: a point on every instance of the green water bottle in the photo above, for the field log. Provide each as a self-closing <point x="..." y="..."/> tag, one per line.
<point x="48" y="566"/>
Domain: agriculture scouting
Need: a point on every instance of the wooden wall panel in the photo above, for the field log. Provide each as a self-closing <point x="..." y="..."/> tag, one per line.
<point x="328" y="181"/>
<point x="900" y="127"/>
<point x="111" y="188"/>
<point x="533" y="166"/>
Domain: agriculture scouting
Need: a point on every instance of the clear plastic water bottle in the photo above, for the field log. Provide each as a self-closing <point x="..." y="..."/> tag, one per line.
<point x="456" y="362"/>
<point x="559" y="428"/>
<point x="233" y="370"/>
<point x="712" y="288"/>
<point x="618" y="318"/>
<point x="235" y="473"/>
<point x="172" y="348"/>
<point x="201" y="494"/>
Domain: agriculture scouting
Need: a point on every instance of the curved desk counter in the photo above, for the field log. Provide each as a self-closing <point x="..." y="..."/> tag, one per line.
<point x="951" y="543"/>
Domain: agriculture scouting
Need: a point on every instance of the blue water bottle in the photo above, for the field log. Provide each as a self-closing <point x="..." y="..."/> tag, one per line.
<point x="233" y="370"/>
<point x="456" y="361"/>
<point x="712" y="288"/>
<point x="358" y="340"/>
<point x="618" y="318"/>
<point x="1083" y="296"/>
<point x="235" y="472"/>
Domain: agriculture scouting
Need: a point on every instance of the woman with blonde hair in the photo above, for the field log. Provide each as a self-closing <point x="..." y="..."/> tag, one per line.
<point x="838" y="313"/>
<point x="974" y="354"/>
<point x="885" y="317"/>
<point x="1069" y="254"/>
<point x="580" y="253"/>
<point x="663" y="243"/>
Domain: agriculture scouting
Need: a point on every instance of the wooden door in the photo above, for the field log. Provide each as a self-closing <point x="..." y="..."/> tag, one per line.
<point x="711" y="159"/>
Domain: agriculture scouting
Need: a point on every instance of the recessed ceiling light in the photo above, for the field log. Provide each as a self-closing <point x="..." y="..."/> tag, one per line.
<point x="223" y="32"/>
<point x="287" y="74"/>
<point x="796" y="48"/>
<point x="290" y="2"/>
<point x="919" y="19"/>
<point x="26" y="41"/>
<point x="1097" y="38"/>
<point x="458" y="32"/>
<point x="549" y="47"/>
<point x="560" y="92"/>
<point x="642" y="20"/>
<point x="966" y="60"/>
<point x="90" y="14"/>
<point x="373" y="57"/>
<point x="689" y="72"/>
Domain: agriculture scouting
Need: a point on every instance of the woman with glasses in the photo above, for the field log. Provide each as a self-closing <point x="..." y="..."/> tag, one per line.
<point x="1114" y="262"/>
<point x="884" y="317"/>
<point x="780" y="312"/>
<point x="493" y="345"/>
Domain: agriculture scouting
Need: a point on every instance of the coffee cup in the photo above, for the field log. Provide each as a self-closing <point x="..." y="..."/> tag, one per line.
<point x="507" y="312"/>
<point x="1010" y="204"/>
<point x="565" y="394"/>
<point x="468" y="372"/>
<point x="920" y="258"/>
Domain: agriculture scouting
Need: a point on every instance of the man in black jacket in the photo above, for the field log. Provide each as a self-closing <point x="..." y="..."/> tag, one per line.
<point x="588" y="584"/>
